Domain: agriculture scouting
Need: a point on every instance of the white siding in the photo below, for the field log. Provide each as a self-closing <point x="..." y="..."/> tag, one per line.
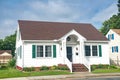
<point x="37" y="62"/>
<point x="18" y="44"/>
<point x="97" y="59"/>
<point x="115" y="57"/>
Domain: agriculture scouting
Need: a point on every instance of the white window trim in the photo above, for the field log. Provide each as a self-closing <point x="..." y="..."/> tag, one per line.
<point x="51" y="51"/>
<point x="91" y="55"/>
<point x="115" y="49"/>
<point x="44" y="51"/>
<point x="36" y="51"/>
<point x="97" y="51"/>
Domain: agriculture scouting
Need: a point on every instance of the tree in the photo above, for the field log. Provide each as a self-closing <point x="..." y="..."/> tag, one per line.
<point x="118" y="7"/>
<point x="8" y="43"/>
<point x="112" y="23"/>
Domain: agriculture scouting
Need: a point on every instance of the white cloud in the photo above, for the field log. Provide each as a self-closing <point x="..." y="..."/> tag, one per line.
<point x="52" y="7"/>
<point x="105" y="14"/>
<point x="8" y="27"/>
<point x="52" y="10"/>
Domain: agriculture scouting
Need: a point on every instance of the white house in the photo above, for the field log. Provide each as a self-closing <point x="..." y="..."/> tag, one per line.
<point x="114" y="42"/>
<point x="51" y="43"/>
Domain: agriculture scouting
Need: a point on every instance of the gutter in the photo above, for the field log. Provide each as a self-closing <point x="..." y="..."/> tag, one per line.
<point x="94" y="41"/>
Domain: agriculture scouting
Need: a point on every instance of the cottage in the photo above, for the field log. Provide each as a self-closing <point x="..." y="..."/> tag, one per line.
<point x="5" y="56"/>
<point x="114" y="43"/>
<point x="41" y="43"/>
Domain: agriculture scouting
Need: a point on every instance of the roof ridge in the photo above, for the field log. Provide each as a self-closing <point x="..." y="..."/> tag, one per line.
<point x="53" y="22"/>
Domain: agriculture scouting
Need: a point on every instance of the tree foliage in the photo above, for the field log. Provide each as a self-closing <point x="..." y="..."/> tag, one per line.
<point x="118" y="7"/>
<point x="8" y="43"/>
<point x="112" y="23"/>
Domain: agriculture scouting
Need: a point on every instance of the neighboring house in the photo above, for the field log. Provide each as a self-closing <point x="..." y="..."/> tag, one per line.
<point x="52" y="43"/>
<point x="114" y="44"/>
<point x="5" y="56"/>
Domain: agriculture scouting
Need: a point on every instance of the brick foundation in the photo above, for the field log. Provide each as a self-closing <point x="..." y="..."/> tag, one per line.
<point x="19" y="68"/>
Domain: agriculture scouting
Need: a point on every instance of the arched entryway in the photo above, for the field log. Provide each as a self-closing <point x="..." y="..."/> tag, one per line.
<point x="72" y="47"/>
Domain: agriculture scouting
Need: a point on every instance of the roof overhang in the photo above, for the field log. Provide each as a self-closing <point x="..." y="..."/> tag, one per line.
<point x="96" y="41"/>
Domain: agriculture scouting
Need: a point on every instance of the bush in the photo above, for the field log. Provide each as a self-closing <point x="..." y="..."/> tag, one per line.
<point x="3" y="67"/>
<point x="63" y="68"/>
<point x="100" y="66"/>
<point x="44" y="68"/>
<point x="11" y="63"/>
<point x="112" y="67"/>
<point x="93" y="67"/>
<point x="54" y="67"/>
<point x="29" y="69"/>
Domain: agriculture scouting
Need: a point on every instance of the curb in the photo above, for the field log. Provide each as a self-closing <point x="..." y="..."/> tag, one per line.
<point x="90" y="75"/>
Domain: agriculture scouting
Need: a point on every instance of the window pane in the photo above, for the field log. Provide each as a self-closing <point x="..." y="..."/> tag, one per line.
<point x="48" y="51"/>
<point x="87" y="51"/>
<point x="39" y="51"/>
<point x="94" y="51"/>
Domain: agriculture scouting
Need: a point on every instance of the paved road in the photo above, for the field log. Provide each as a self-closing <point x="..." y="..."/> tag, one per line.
<point x="104" y="78"/>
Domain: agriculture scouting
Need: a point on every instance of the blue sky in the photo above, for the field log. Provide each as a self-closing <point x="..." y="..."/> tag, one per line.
<point x="78" y="11"/>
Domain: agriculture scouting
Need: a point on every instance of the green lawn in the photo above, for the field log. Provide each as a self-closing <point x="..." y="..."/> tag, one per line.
<point x="8" y="73"/>
<point x="106" y="71"/>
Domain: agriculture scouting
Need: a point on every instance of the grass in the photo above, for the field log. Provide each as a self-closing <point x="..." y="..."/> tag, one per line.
<point x="106" y="71"/>
<point x="9" y="73"/>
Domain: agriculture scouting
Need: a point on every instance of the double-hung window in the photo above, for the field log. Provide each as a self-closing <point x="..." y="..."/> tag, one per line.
<point x="87" y="50"/>
<point x="48" y="51"/>
<point x="110" y="36"/>
<point x="94" y="51"/>
<point x="114" y="49"/>
<point x="44" y="51"/>
<point x="91" y="50"/>
<point x="39" y="51"/>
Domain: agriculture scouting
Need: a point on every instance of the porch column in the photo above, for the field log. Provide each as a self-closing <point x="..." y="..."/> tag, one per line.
<point x="82" y="51"/>
<point x="64" y="50"/>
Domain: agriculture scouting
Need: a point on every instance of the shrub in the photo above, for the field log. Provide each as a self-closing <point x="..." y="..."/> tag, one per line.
<point x="29" y="69"/>
<point x="11" y="63"/>
<point x="100" y="66"/>
<point x="54" y="67"/>
<point x="44" y="68"/>
<point x="3" y="67"/>
<point x="112" y="67"/>
<point x="63" y="68"/>
<point x="93" y="67"/>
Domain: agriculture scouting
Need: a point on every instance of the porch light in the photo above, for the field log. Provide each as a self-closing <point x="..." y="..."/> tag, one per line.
<point x="76" y="48"/>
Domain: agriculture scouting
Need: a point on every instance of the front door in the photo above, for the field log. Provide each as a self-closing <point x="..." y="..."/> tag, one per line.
<point x="69" y="53"/>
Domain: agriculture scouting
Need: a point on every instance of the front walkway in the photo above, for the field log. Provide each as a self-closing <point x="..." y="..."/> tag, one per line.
<point x="59" y="77"/>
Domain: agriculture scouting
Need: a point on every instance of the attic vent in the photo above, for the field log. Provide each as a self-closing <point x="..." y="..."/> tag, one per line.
<point x="68" y="38"/>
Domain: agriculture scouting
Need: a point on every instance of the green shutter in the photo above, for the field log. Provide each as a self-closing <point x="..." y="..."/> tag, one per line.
<point x="33" y="51"/>
<point x="20" y="52"/>
<point x="54" y="51"/>
<point x="100" y="51"/>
